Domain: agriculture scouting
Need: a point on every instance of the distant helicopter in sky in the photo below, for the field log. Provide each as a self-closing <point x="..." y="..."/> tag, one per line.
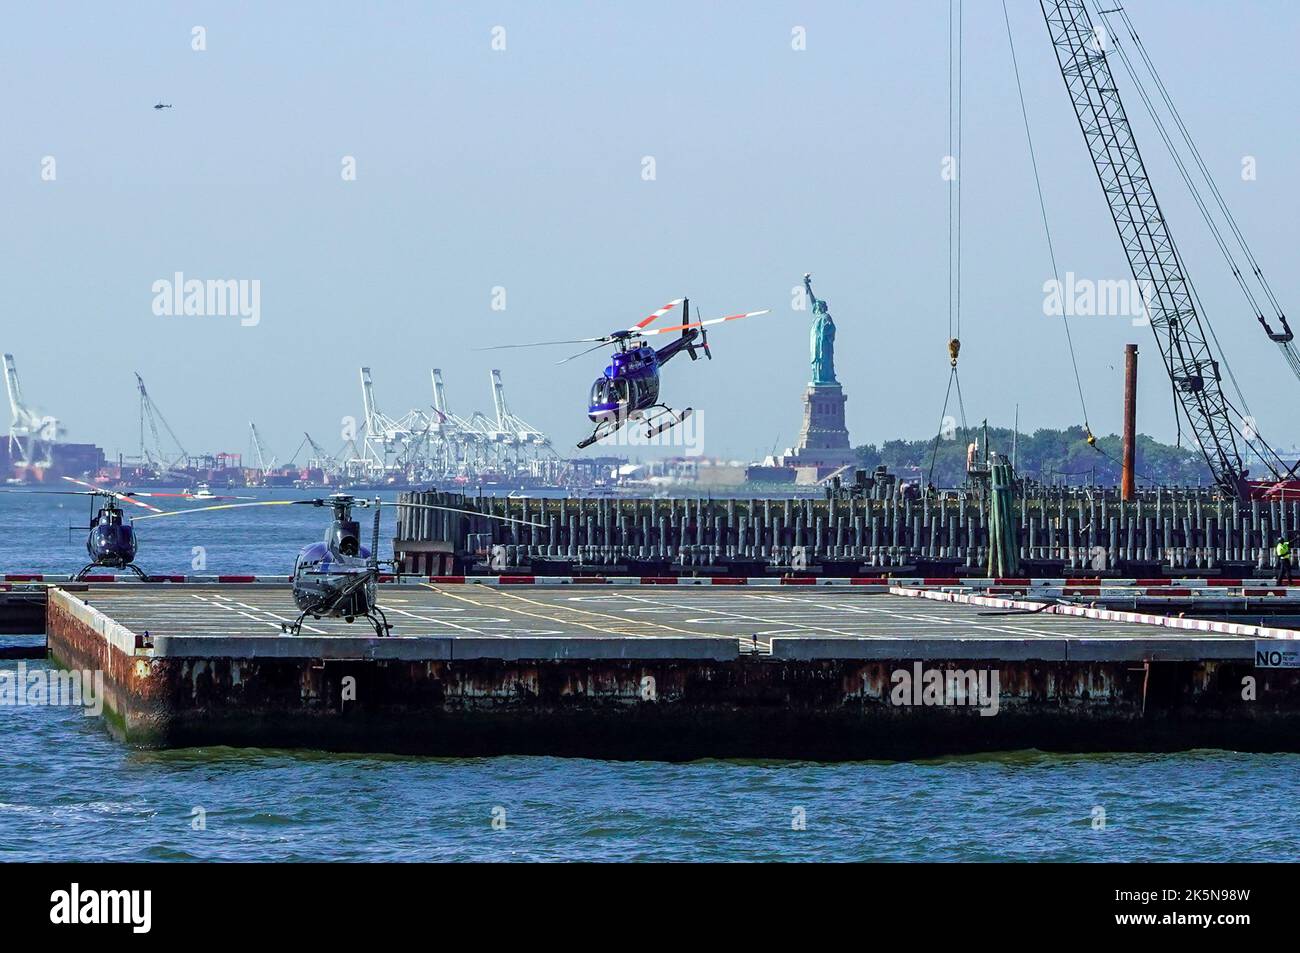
<point x="338" y="577"/>
<point x="629" y="388"/>
<point x="162" y="105"/>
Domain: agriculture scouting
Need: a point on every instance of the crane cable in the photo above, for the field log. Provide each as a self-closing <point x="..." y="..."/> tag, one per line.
<point x="1042" y="207"/>
<point x="953" y="381"/>
<point x="954" y="226"/>
<point x="1195" y="152"/>
<point x="1254" y="442"/>
<point x="1250" y="435"/>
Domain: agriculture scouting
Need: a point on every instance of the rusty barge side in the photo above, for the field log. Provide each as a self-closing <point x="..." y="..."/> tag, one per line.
<point x="666" y="699"/>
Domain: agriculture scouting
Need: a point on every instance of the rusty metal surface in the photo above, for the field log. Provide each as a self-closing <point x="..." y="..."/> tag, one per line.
<point x="751" y="705"/>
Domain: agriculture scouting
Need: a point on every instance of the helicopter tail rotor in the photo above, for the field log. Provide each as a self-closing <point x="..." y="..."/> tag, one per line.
<point x="688" y="332"/>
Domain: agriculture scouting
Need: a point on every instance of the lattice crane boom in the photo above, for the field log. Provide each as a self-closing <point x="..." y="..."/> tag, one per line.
<point x="1148" y="243"/>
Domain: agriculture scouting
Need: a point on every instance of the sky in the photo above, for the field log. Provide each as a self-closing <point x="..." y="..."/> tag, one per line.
<point x="524" y="169"/>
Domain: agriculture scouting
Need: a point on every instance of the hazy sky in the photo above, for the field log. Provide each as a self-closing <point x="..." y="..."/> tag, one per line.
<point x="522" y="168"/>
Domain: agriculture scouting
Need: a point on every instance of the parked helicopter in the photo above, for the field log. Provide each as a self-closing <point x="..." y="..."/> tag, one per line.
<point x="111" y="542"/>
<point x="338" y="577"/>
<point x="629" y="388"/>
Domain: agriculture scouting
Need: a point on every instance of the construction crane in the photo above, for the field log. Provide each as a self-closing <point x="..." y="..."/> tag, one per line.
<point x="1153" y="257"/>
<point x="152" y="454"/>
<point x="1249" y="277"/>
<point x="322" y="460"/>
<point x="259" y="450"/>
<point x="31" y="433"/>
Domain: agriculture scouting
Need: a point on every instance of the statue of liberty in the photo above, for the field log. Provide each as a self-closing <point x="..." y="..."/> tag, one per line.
<point x="822" y="340"/>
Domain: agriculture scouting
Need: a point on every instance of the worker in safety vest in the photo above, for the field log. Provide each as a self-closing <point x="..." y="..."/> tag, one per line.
<point x="1283" y="561"/>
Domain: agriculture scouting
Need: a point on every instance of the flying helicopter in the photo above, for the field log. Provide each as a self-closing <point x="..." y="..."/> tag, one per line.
<point x="628" y="390"/>
<point x="338" y="577"/>
<point x="162" y="105"/>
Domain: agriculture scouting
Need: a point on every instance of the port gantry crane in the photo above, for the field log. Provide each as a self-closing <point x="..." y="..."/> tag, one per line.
<point x="1149" y="245"/>
<point x="31" y="434"/>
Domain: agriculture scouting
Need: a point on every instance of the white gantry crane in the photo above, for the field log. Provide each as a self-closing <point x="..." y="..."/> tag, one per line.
<point x="433" y="443"/>
<point x="462" y="443"/>
<point x="525" y="439"/>
<point x="32" y="435"/>
<point x="392" y="444"/>
<point x="521" y="431"/>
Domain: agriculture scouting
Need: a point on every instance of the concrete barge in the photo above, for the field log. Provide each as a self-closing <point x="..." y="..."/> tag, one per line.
<point x="673" y="672"/>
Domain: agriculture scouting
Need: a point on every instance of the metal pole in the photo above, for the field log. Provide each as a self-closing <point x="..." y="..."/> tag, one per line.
<point x="1130" y="421"/>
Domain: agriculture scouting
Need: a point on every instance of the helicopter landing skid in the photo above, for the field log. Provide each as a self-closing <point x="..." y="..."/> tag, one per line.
<point x="381" y="624"/>
<point x="81" y="574"/>
<point x="603" y="429"/>
<point x="376" y="617"/>
<point x="674" y="418"/>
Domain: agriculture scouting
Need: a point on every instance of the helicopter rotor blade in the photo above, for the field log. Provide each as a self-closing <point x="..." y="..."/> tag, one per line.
<point x="452" y="509"/>
<point x="191" y="496"/>
<point x="657" y="315"/>
<point x="222" y="506"/>
<point x="571" y="357"/>
<point x="501" y="347"/>
<point x="123" y="497"/>
<point x="701" y="324"/>
<point x="56" y="492"/>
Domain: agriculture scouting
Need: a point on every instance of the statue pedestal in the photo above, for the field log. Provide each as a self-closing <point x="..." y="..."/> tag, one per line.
<point x="823" y="439"/>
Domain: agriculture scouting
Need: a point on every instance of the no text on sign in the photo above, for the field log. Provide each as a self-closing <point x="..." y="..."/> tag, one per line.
<point x="1274" y="654"/>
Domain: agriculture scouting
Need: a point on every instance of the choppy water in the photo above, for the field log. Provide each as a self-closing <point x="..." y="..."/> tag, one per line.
<point x="67" y="791"/>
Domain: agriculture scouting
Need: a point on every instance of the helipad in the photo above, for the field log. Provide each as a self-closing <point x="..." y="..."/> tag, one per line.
<point x="754" y="620"/>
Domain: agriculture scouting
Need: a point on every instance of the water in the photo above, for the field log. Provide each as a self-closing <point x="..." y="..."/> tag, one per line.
<point x="68" y="792"/>
<point x="34" y="534"/>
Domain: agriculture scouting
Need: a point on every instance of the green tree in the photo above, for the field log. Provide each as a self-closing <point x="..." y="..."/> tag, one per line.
<point x="1046" y="454"/>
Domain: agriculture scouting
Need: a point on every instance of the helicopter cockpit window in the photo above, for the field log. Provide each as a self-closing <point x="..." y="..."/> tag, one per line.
<point x="606" y="391"/>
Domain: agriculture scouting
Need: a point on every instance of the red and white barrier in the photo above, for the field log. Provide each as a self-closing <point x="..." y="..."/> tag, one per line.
<point x="1063" y="588"/>
<point x="1104" y="615"/>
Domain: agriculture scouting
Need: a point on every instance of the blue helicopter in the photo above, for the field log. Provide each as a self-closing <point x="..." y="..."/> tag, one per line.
<point x="111" y="542"/>
<point x="629" y="388"/>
